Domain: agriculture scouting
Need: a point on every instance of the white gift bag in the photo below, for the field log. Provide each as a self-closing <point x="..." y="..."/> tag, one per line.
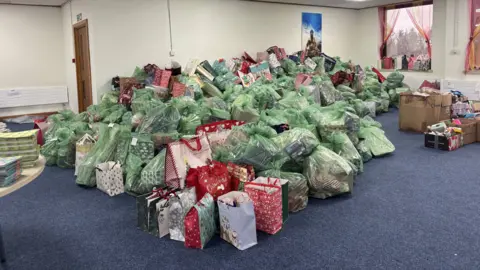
<point x="237" y="220"/>
<point x="184" y="154"/>
<point x="82" y="148"/>
<point x="163" y="216"/>
<point x="109" y="177"/>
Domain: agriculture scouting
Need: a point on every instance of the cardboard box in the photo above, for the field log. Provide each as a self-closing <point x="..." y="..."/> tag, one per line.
<point x="417" y="112"/>
<point x="478" y="128"/>
<point x="469" y="128"/>
<point x="442" y="142"/>
<point x="476" y="107"/>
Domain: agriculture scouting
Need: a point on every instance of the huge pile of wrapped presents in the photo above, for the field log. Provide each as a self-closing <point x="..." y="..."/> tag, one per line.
<point x="232" y="144"/>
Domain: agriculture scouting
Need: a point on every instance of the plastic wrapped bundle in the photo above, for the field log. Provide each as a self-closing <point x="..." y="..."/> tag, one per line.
<point x="360" y="107"/>
<point x="293" y="100"/>
<point x="223" y="81"/>
<point x="243" y="109"/>
<point x="116" y="115"/>
<point x="264" y="92"/>
<point x="385" y="100"/>
<point x="81" y="117"/>
<point x="121" y="151"/>
<point x="232" y="92"/>
<point x="344" y="88"/>
<point x="297" y="143"/>
<point x="137" y="119"/>
<point x="55" y="122"/>
<point x="273" y="118"/>
<point x="320" y="61"/>
<point x="343" y="146"/>
<point x="364" y="151"/>
<point x="261" y="152"/>
<point x="152" y="176"/>
<point x="67" y="115"/>
<point x="80" y="129"/>
<point x="218" y="110"/>
<point x="133" y="168"/>
<point x="50" y="152"/>
<point x="140" y="74"/>
<point x="327" y="93"/>
<point x="285" y="82"/>
<point x="375" y="140"/>
<point x="327" y="173"/>
<point x="164" y="120"/>
<point x="127" y="119"/>
<point x="372" y="108"/>
<point x="110" y="97"/>
<point x="66" y="148"/>
<point x="297" y="188"/>
<point x="141" y="99"/>
<point x="220" y="67"/>
<point x="142" y="146"/>
<point x="104" y="150"/>
<point x="396" y="77"/>
<point x="188" y="124"/>
<point x="290" y="67"/>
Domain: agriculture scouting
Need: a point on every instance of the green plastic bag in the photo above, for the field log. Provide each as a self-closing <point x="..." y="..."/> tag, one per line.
<point x="152" y="176"/>
<point x="50" y="152"/>
<point x="297" y="143"/>
<point x="376" y="141"/>
<point x="133" y="168"/>
<point x="343" y="146"/>
<point x="261" y="152"/>
<point x="189" y="124"/>
<point x="142" y="146"/>
<point x="66" y="148"/>
<point x="327" y="173"/>
<point x="243" y="109"/>
<point x="123" y="146"/>
<point x="297" y="188"/>
<point x="364" y="151"/>
<point x="165" y="120"/>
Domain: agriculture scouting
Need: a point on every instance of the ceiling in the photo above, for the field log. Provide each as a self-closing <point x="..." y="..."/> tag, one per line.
<point x="34" y="2"/>
<point x="353" y="4"/>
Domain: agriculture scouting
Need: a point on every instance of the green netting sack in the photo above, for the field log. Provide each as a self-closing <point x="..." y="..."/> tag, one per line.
<point x="297" y="188"/>
<point x="327" y="173"/>
<point x="343" y="146"/>
<point x="164" y="120"/>
<point x="102" y="151"/>
<point x="364" y="151"/>
<point x="66" y="148"/>
<point x="152" y="175"/>
<point x="375" y="140"/>
<point x="133" y="169"/>
<point x="50" y="152"/>
<point x="142" y="146"/>
<point x="243" y="109"/>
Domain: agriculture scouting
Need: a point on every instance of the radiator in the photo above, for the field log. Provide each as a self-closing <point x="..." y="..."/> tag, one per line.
<point x="33" y="96"/>
<point x="471" y="89"/>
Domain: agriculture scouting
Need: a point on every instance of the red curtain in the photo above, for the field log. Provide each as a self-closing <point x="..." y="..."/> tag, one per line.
<point x="421" y="17"/>
<point x="386" y="26"/>
<point x="473" y="45"/>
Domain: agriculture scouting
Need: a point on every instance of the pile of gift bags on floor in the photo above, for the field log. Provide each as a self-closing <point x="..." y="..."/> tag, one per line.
<point x="256" y="137"/>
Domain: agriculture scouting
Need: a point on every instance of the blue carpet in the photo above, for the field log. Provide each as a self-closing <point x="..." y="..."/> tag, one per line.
<point x="416" y="209"/>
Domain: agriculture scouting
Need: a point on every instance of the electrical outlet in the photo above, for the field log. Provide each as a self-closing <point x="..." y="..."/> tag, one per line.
<point x="172" y="53"/>
<point x="455" y="51"/>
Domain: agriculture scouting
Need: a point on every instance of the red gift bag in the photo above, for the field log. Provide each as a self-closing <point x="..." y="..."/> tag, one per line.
<point x="213" y="179"/>
<point x="126" y="89"/>
<point x="267" y="201"/>
<point x="199" y="223"/>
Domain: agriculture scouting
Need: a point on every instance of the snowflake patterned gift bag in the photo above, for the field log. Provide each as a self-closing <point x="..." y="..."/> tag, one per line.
<point x="280" y="182"/>
<point x="237" y="220"/>
<point x="267" y="202"/>
<point x="109" y="177"/>
<point x="184" y="154"/>
<point x="200" y="223"/>
<point x="179" y="206"/>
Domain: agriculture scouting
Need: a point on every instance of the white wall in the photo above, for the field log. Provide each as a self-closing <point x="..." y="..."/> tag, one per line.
<point x="124" y="33"/>
<point x="31" y="51"/>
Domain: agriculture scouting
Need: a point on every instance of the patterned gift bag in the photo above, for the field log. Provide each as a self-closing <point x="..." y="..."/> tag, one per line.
<point x="163" y="217"/>
<point x="237" y="220"/>
<point x="267" y="201"/>
<point x="83" y="146"/>
<point x="109" y="177"/>
<point x="184" y="154"/>
<point x="200" y="223"/>
<point x="240" y="174"/>
<point x="213" y="179"/>
<point x="282" y="183"/>
<point x="179" y="206"/>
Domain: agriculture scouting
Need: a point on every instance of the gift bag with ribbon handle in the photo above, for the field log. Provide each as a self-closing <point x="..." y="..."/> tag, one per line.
<point x="147" y="210"/>
<point x="200" y="223"/>
<point x="109" y="176"/>
<point x="267" y="201"/>
<point x="184" y="154"/>
<point x="82" y="148"/>
<point x="283" y="183"/>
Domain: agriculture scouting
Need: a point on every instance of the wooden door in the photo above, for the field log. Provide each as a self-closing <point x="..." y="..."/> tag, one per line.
<point x="82" y="61"/>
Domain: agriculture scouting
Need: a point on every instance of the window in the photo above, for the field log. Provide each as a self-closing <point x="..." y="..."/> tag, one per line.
<point x="406" y="31"/>
<point x="473" y="50"/>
